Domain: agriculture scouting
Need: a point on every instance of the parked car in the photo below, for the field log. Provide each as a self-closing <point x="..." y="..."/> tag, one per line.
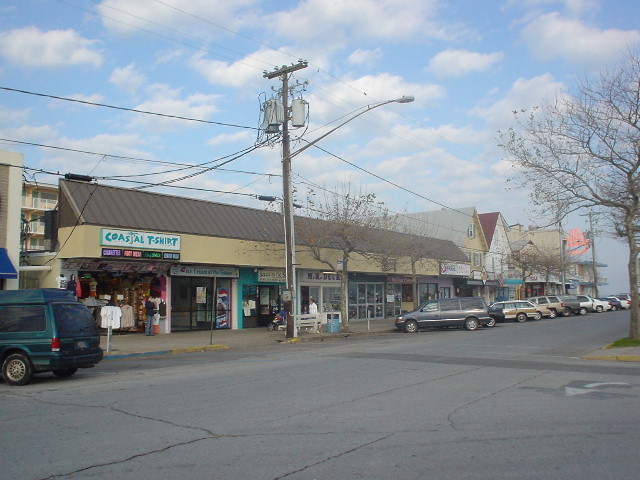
<point x="593" y="304"/>
<point x="467" y="312"/>
<point x="516" y="310"/>
<point x="614" y="302"/>
<point x="623" y="301"/>
<point x="551" y="302"/>
<point x="45" y="330"/>
<point x="572" y="305"/>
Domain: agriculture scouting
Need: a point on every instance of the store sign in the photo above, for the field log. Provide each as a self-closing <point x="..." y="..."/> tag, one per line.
<point x="399" y="279"/>
<point x="142" y="254"/>
<point x="458" y="269"/>
<point x="319" y="277"/>
<point x="204" y="271"/>
<point x="135" y="239"/>
<point x="273" y="276"/>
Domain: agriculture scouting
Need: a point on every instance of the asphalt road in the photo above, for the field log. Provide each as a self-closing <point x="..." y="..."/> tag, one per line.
<point x="514" y="401"/>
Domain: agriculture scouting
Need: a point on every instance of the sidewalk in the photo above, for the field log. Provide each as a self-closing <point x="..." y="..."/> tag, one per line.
<point x="136" y="344"/>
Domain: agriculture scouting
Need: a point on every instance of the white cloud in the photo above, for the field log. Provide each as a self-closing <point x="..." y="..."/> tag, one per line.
<point x="246" y="72"/>
<point x="32" y="47"/>
<point x="523" y="94"/>
<point x="128" y="78"/>
<point x="168" y="101"/>
<point x="391" y="20"/>
<point x="230" y="138"/>
<point x="553" y="36"/>
<point x="455" y="63"/>
<point x="365" y="57"/>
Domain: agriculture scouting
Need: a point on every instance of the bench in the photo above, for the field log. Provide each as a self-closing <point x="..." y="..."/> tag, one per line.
<point x="308" y="322"/>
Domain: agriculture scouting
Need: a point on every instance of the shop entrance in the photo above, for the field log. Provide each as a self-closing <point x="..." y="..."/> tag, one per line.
<point x="268" y="304"/>
<point x="200" y="303"/>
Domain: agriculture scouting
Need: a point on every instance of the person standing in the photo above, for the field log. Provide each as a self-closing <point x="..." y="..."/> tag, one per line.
<point x="150" y="310"/>
<point x="313" y="307"/>
<point x="72" y="285"/>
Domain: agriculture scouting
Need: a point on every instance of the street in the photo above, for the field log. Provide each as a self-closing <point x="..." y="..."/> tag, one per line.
<point x="513" y="401"/>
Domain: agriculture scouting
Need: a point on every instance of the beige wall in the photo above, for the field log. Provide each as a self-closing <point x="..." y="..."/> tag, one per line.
<point x="10" y="204"/>
<point x="85" y="242"/>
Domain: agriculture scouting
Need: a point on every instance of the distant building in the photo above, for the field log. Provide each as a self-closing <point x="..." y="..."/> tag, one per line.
<point x="37" y="200"/>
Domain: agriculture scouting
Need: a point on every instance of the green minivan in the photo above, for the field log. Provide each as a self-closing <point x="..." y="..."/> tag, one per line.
<point x="45" y="330"/>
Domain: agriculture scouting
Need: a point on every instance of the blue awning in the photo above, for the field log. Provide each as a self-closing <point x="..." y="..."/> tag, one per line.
<point x="7" y="270"/>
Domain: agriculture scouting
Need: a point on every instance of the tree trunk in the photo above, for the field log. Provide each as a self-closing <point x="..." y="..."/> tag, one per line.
<point x="344" y="303"/>
<point x="633" y="280"/>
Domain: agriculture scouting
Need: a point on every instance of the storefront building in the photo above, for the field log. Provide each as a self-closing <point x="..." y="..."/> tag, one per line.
<point x="211" y="266"/>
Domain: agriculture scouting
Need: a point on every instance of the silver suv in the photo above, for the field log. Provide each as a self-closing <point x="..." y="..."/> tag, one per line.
<point x="467" y="312"/>
<point x="553" y="303"/>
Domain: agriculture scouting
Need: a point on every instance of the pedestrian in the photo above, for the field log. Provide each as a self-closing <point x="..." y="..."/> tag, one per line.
<point x="150" y="310"/>
<point x="313" y="308"/>
<point x="72" y="285"/>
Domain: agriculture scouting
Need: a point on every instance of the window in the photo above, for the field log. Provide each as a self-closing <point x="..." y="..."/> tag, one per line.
<point x="449" y="304"/>
<point x="472" y="303"/>
<point x="74" y="319"/>
<point x="477" y="259"/>
<point x="430" y="307"/>
<point x="472" y="231"/>
<point x="23" y="319"/>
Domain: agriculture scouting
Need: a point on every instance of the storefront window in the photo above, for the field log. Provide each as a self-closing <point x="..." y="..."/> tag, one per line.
<point x="428" y="291"/>
<point x="368" y="301"/>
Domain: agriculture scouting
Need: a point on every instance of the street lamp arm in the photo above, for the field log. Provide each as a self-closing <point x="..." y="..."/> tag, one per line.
<point x="404" y="99"/>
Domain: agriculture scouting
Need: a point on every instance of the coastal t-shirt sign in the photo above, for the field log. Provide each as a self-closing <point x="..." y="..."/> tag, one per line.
<point x="136" y="239"/>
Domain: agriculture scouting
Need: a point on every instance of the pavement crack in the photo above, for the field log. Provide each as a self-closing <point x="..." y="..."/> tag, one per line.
<point x="332" y="457"/>
<point x="452" y="422"/>
<point x="124" y="460"/>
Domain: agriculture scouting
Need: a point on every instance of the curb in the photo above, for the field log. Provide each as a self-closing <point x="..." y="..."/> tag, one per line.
<point x="116" y="356"/>
<point x="614" y="358"/>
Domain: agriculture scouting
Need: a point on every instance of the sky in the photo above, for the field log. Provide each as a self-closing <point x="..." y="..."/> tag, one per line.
<point x="470" y="65"/>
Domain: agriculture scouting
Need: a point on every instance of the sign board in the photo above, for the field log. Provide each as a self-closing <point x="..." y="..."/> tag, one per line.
<point x="134" y="239"/>
<point x="272" y="276"/>
<point x="204" y="271"/>
<point x="457" y="269"/>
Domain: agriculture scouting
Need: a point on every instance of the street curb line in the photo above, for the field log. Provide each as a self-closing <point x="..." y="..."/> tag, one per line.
<point x="617" y="358"/>
<point x="117" y="356"/>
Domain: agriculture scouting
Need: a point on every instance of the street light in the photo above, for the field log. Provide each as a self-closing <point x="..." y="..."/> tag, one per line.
<point x="287" y="197"/>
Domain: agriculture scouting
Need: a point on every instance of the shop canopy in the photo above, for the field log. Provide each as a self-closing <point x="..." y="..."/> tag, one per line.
<point x="7" y="270"/>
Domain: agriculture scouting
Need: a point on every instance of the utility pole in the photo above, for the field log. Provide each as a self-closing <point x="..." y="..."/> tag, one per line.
<point x="592" y="238"/>
<point x="287" y="197"/>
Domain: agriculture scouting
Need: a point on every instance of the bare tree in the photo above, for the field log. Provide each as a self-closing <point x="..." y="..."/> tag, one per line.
<point x="350" y="225"/>
<point x="526" y="262"/>
<point x="583" y="152"/>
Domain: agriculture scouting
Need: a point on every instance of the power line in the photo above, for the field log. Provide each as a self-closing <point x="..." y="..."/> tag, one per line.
<point x="134" y="110"/>
<point x="135" y="159"/>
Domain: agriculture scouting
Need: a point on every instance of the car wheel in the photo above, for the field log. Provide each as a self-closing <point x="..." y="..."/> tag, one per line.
<point x="537" y="316"/>
<point x="599" y="309"/>
<point x="17" y="369"/>
<point x="491" y="322"/>
<point x="566" y="312"/>
<point x="471" y="324"/>
<point x="411" y="326"/>
<point x="582" y="311"/>
<point x="65" y="372"/>
<point x="552" y="313"/>
<point x="521" y="317"/>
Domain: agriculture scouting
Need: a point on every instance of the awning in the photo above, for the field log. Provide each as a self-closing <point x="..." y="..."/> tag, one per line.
<point x="7" y="270"/>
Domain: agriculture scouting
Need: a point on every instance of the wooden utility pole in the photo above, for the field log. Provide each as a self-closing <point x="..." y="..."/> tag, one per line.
<point x="287" y="197"/>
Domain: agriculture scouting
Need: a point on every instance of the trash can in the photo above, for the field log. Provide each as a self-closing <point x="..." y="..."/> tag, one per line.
<point x="333" y="322"/>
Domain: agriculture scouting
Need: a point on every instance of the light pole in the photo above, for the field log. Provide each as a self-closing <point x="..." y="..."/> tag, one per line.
<point x="287" y="197"/>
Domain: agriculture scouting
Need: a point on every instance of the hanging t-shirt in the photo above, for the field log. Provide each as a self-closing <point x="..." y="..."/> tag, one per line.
<point x="62" y="281"/>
